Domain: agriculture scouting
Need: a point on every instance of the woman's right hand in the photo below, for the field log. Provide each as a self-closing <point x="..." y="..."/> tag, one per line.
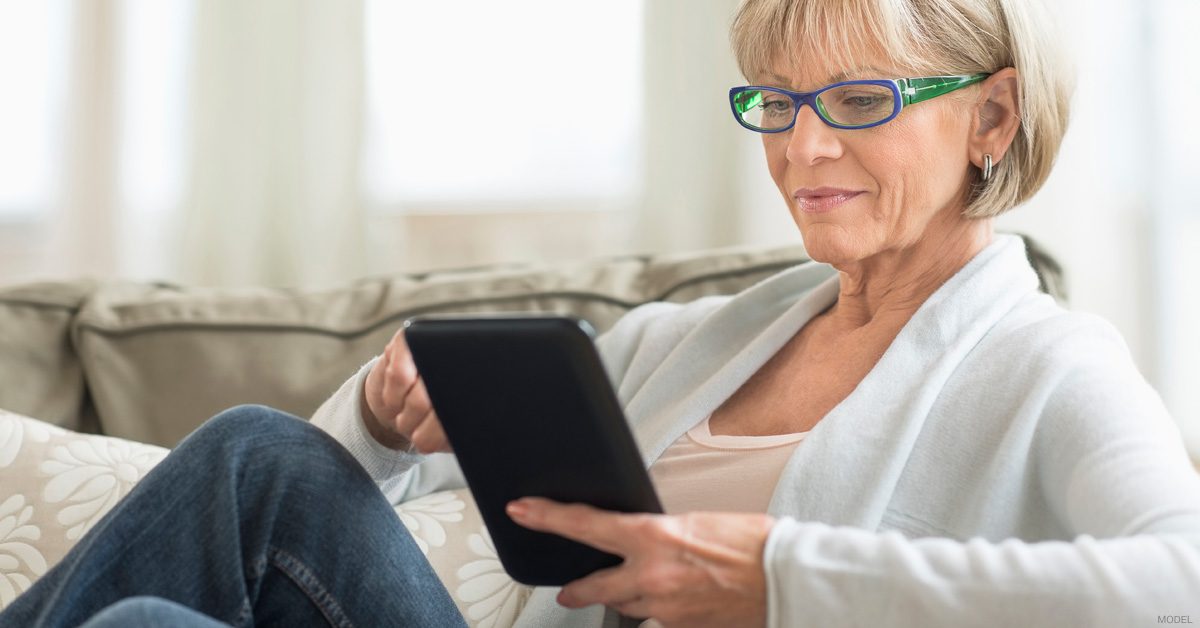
<point x="397" y="411"/>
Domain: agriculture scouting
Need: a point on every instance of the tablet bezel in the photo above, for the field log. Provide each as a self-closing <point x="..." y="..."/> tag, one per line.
<point x="527" y="367"/>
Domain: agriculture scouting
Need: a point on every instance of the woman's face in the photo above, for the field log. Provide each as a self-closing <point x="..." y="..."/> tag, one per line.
<point x="858" y="193"/>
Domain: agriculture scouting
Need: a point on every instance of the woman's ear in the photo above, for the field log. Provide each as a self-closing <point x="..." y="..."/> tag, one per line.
<point x="997" y="116"/>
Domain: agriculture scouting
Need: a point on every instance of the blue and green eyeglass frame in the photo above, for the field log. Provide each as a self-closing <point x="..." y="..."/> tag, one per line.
<point x="858" y="104"/>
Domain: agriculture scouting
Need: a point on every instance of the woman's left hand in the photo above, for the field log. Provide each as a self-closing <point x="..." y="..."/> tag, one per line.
<point x="697" y="569"/>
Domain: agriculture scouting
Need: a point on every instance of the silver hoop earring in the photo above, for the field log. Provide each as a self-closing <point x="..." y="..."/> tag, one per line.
<point x="987" y="167"/>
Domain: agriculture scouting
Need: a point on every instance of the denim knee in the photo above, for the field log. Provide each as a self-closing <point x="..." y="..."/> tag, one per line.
<point x="148" y="611"/>
<point x="254" y="419"/>
<point x="267" y="439"/>
<point x="251" y="422"/>
<point x="254" y="427"/>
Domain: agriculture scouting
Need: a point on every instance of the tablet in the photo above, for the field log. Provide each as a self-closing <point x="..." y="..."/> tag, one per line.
<point x="529" y="411"/>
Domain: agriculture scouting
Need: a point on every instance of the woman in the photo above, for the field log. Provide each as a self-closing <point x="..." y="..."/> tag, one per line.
<point x="919" y="437"/>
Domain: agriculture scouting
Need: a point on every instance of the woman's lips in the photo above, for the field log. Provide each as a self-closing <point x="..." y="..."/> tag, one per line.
<point x="821" y="200"/>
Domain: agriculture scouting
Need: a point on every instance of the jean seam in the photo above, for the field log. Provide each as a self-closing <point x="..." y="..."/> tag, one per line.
<point x="246" y="616"/>
<point x="306" y="580"/>
<point x="255" y="569"/>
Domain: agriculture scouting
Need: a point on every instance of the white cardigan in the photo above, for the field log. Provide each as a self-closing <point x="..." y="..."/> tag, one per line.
<point x="1003" y="464"/>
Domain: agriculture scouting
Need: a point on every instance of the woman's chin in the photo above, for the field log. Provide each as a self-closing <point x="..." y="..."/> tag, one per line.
<point x="831" y="248"/>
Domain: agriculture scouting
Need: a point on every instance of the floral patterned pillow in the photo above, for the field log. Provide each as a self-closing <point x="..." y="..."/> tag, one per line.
<point x="449" y="530"/>
<point x="56" y="484"/>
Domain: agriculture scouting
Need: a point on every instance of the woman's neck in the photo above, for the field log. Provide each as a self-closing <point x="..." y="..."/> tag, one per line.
<point x="888" y="288"/>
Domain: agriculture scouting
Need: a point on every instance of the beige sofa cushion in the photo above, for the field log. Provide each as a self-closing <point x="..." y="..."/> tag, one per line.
<point x="40" y="373"/>
<point x="161" y="359"/>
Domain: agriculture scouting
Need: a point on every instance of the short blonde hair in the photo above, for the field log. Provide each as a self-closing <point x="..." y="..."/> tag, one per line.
<point x="932" y="37"/>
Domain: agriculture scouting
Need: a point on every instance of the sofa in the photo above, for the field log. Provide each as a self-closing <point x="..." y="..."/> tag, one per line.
<point x="99" y="379"/>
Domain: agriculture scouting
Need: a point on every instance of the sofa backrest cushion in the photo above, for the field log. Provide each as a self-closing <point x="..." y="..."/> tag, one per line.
<point x="161" y="359"/>
<point x="41" y="374"/>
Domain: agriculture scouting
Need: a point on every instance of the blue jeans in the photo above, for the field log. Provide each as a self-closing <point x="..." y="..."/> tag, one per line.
<point x="256" y="518"/>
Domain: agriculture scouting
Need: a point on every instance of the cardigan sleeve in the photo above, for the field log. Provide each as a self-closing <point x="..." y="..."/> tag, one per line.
<point x="1112" y="464"/>
<point x="824" y="576"/>
<point x="401" y="475"/>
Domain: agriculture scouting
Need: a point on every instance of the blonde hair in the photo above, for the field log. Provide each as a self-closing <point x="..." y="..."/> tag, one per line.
<point x="932" y="37"/>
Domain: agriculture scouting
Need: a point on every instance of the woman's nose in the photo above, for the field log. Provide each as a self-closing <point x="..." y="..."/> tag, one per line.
<point x="811" y="139"/>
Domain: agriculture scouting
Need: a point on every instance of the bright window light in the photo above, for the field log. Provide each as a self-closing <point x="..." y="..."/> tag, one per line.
<point x="34" y="44"/>
<point x="480" y="100"/>
<point x="154" y="62"/>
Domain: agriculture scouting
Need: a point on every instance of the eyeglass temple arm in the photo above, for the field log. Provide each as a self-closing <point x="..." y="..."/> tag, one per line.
<point x="915" y="90"/>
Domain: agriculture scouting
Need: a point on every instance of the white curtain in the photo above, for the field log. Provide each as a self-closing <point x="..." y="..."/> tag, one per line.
<point x="277" y="107"/>
<point x="1174" y="168"/>
<point x="85" y="216"/>
<point x="705" y="178"/>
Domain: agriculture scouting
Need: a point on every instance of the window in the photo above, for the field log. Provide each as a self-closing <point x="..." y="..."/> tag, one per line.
<point x="551" y="112"/>
<point x="154" y="64"/>
<point x="33" y="58"/>
<point x="1170" y="189"/>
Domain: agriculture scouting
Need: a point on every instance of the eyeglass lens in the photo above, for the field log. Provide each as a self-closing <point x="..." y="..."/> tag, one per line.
<point x="846" y="105"/>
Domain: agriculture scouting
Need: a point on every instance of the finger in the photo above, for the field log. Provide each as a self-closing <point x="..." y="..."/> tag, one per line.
<point x="402" y="373"/>
<point x="605" y="530"/>
<point x="376" y="379"/>
<point x="414" y="411"/>
<point x="610" y="587"/>
<point x="398" y="349"/>
<point x="637" y="608"/>
<point x="397" y="381"/>
<point x="399" y="341"/>
<point x="429" y="436"/>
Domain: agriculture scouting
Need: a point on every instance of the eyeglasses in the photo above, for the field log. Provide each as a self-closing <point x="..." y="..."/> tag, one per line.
<point x="845" y="105"/>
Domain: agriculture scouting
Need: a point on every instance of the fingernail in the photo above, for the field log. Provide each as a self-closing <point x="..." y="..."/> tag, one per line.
<point x="517" y="510"/>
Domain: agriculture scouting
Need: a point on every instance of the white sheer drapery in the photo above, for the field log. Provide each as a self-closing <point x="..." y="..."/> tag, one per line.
<point x="273" y="195"/>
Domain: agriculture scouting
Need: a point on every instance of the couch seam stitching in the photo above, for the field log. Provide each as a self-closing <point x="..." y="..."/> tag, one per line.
<point x="582" y="296"/>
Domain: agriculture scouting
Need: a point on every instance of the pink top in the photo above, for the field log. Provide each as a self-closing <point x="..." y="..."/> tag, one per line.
<point x="700" y="471"/>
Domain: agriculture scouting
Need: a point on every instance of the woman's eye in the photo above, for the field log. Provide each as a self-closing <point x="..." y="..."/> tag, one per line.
<point x="776" y="107"/>
<point x="863" y="102"/>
